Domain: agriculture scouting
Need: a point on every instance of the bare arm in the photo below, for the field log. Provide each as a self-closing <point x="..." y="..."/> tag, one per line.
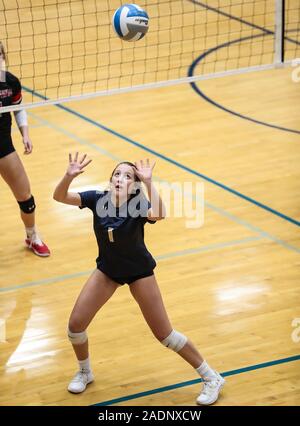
<point x="157" y="210"/>
<point x="61" y="192"/>
<point x="144" y="172"/>
<point x="21" y="120"/>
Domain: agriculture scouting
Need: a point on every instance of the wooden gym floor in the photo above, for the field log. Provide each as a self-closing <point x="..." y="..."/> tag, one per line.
<point x="231" y="285"/>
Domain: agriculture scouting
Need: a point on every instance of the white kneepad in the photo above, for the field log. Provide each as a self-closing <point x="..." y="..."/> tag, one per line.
<point x="175" y="341"/>
<point x="77" y="338"/>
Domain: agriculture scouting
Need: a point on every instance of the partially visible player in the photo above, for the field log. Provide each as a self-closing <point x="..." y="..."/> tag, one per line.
<point x="120" y="215"/>
<point x="11" y="167"/>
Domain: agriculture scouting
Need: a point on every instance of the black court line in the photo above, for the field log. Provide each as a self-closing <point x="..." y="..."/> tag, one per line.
<point x="192" y="67"/>
<point x="216" y="104"/>
<point x="236" y="18"/>
<point x="169" y="160"/>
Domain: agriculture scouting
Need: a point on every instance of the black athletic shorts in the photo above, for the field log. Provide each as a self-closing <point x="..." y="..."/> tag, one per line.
<point x="6" y="145"/>
<point x="129" y="279"/>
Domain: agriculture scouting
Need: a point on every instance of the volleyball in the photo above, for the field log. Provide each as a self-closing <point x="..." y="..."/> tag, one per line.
<point x="130" y="22"/>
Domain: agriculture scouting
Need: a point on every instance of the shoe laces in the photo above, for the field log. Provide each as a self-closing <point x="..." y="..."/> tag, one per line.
<point x="80" y="376"/>
<point x="208" y="385"/>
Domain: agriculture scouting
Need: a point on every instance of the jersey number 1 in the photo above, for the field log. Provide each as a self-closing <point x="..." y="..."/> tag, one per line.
<point x="110" y="234"/>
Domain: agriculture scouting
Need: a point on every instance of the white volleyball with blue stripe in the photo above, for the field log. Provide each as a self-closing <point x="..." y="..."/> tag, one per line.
<point x="130" y="22"/>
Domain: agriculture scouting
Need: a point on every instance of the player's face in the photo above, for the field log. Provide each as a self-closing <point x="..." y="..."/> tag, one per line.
<point x="123" y="180"/>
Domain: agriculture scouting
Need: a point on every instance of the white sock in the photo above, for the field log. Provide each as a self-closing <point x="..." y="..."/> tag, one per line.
<point x="206" y="372"/>
<point x="32" y="234"/>
<point x="85" y="365"/>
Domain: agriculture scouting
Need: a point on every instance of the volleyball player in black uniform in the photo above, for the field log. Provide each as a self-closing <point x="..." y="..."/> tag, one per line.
<point x="11" y="167"/>
<point x="119" y="218"/>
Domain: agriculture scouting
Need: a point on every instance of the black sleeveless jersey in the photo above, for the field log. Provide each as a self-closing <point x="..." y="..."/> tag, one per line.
<point x="120" y="233"/>
<point x="10" y="94"/>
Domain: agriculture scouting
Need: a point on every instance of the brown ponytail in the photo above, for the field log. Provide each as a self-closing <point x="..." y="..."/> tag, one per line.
<point x="2" y="50"/>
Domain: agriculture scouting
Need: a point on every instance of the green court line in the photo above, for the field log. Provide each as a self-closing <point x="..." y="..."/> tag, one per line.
<point x="167" y="256"/>
<point x="219" y="210"/>
<point x="196" y="381"/>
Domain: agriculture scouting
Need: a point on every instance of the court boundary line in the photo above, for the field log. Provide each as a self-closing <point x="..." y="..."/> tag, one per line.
<point x="195" y="87"/>
<point x="191" y="382"/>
<point x="265" y="31"/>
<point x="219" y="210"/>
<point x="174" y="162"/>
<point x="242" y="21"/>
<point x="262" y="234"/>
<point x="170" y="387"/>
<point x="196" y="381"/>
<point x="162" y="257"/>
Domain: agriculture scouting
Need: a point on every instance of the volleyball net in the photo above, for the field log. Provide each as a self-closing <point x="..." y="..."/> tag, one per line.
<point x="66" y="50"/>
<point x="291" y="30"/>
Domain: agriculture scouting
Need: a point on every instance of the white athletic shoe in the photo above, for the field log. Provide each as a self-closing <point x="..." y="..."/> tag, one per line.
<point x="80" y="381"/>
<point x="210" y="391"/>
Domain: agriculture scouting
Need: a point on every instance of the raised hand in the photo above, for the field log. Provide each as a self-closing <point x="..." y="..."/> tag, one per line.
<point x="144" y="169"/>
<point x="77" y="165"/>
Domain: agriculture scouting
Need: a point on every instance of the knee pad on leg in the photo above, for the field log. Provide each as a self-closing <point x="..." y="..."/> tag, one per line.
<point x="27" y="206"/>
<point x="77" y="338"/>
<point x="175" y="341"/>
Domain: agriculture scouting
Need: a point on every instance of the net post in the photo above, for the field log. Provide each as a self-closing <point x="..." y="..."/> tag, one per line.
<point x="279" y="33"/>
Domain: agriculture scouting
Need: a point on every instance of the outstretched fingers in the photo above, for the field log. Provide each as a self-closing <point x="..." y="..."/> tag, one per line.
<point x="76" y="160"/>
<point x="83" y="158"/>
<point x="85" y="163"/>
<point x="150" y="164"/>
<point x="141" y="164"/>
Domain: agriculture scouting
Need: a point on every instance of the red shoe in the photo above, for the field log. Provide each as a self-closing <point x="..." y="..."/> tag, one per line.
<point x="39" y="249"/>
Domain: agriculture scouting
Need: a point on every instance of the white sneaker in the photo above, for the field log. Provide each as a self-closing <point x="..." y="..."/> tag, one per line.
<point x="80" y="381"/>
<point x="210" y="391"/>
